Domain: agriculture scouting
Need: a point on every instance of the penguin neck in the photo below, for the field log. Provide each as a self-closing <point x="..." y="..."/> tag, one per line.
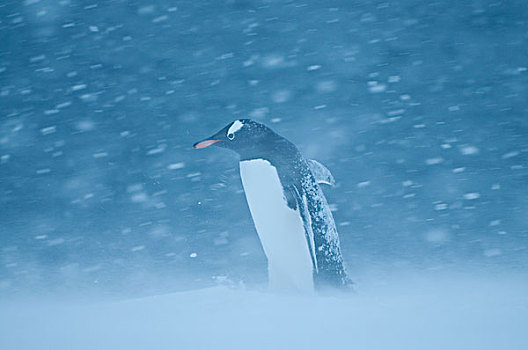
<point x="274" y="149"/>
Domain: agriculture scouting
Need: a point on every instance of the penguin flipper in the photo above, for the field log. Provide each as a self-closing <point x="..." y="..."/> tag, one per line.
<point x="321" y="174"/>
<point x="302" y="203"/>
<point x="290" y="196"/>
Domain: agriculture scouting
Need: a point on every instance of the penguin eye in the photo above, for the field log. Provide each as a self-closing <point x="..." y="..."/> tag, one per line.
<point x="230" y="136"/>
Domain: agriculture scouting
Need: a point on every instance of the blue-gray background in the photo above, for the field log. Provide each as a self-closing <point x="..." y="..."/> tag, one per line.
<point x="418" y="108"/>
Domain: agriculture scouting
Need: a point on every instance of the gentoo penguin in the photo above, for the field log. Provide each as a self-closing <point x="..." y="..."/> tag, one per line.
<point x="289" y="210"/>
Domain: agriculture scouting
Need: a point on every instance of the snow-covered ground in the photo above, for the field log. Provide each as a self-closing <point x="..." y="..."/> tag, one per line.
<point x="433" y="311"/>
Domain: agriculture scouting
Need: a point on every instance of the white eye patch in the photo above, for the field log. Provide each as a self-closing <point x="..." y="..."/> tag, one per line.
<point x="237" y="125"/>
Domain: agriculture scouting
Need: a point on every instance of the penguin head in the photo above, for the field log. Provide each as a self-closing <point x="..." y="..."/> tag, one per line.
<point x="243" y="136"/>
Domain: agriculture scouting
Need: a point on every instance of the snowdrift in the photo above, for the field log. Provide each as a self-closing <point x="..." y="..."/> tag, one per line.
<point x="453" y="312"/>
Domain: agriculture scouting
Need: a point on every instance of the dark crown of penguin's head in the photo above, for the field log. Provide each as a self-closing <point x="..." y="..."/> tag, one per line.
<point x="246" y="137"/>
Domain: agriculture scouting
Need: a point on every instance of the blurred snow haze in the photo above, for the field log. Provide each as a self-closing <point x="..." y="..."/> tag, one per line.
<point x="116" y="234"/>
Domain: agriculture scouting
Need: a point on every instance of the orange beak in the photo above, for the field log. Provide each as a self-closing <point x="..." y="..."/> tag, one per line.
<point x="204" y="143"/>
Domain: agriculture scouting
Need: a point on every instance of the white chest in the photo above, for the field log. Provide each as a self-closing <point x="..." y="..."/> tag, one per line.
<point x="280" y="228"/>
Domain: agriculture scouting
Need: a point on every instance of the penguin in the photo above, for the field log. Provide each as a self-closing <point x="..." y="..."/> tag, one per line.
<point x="289" y="210"/>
